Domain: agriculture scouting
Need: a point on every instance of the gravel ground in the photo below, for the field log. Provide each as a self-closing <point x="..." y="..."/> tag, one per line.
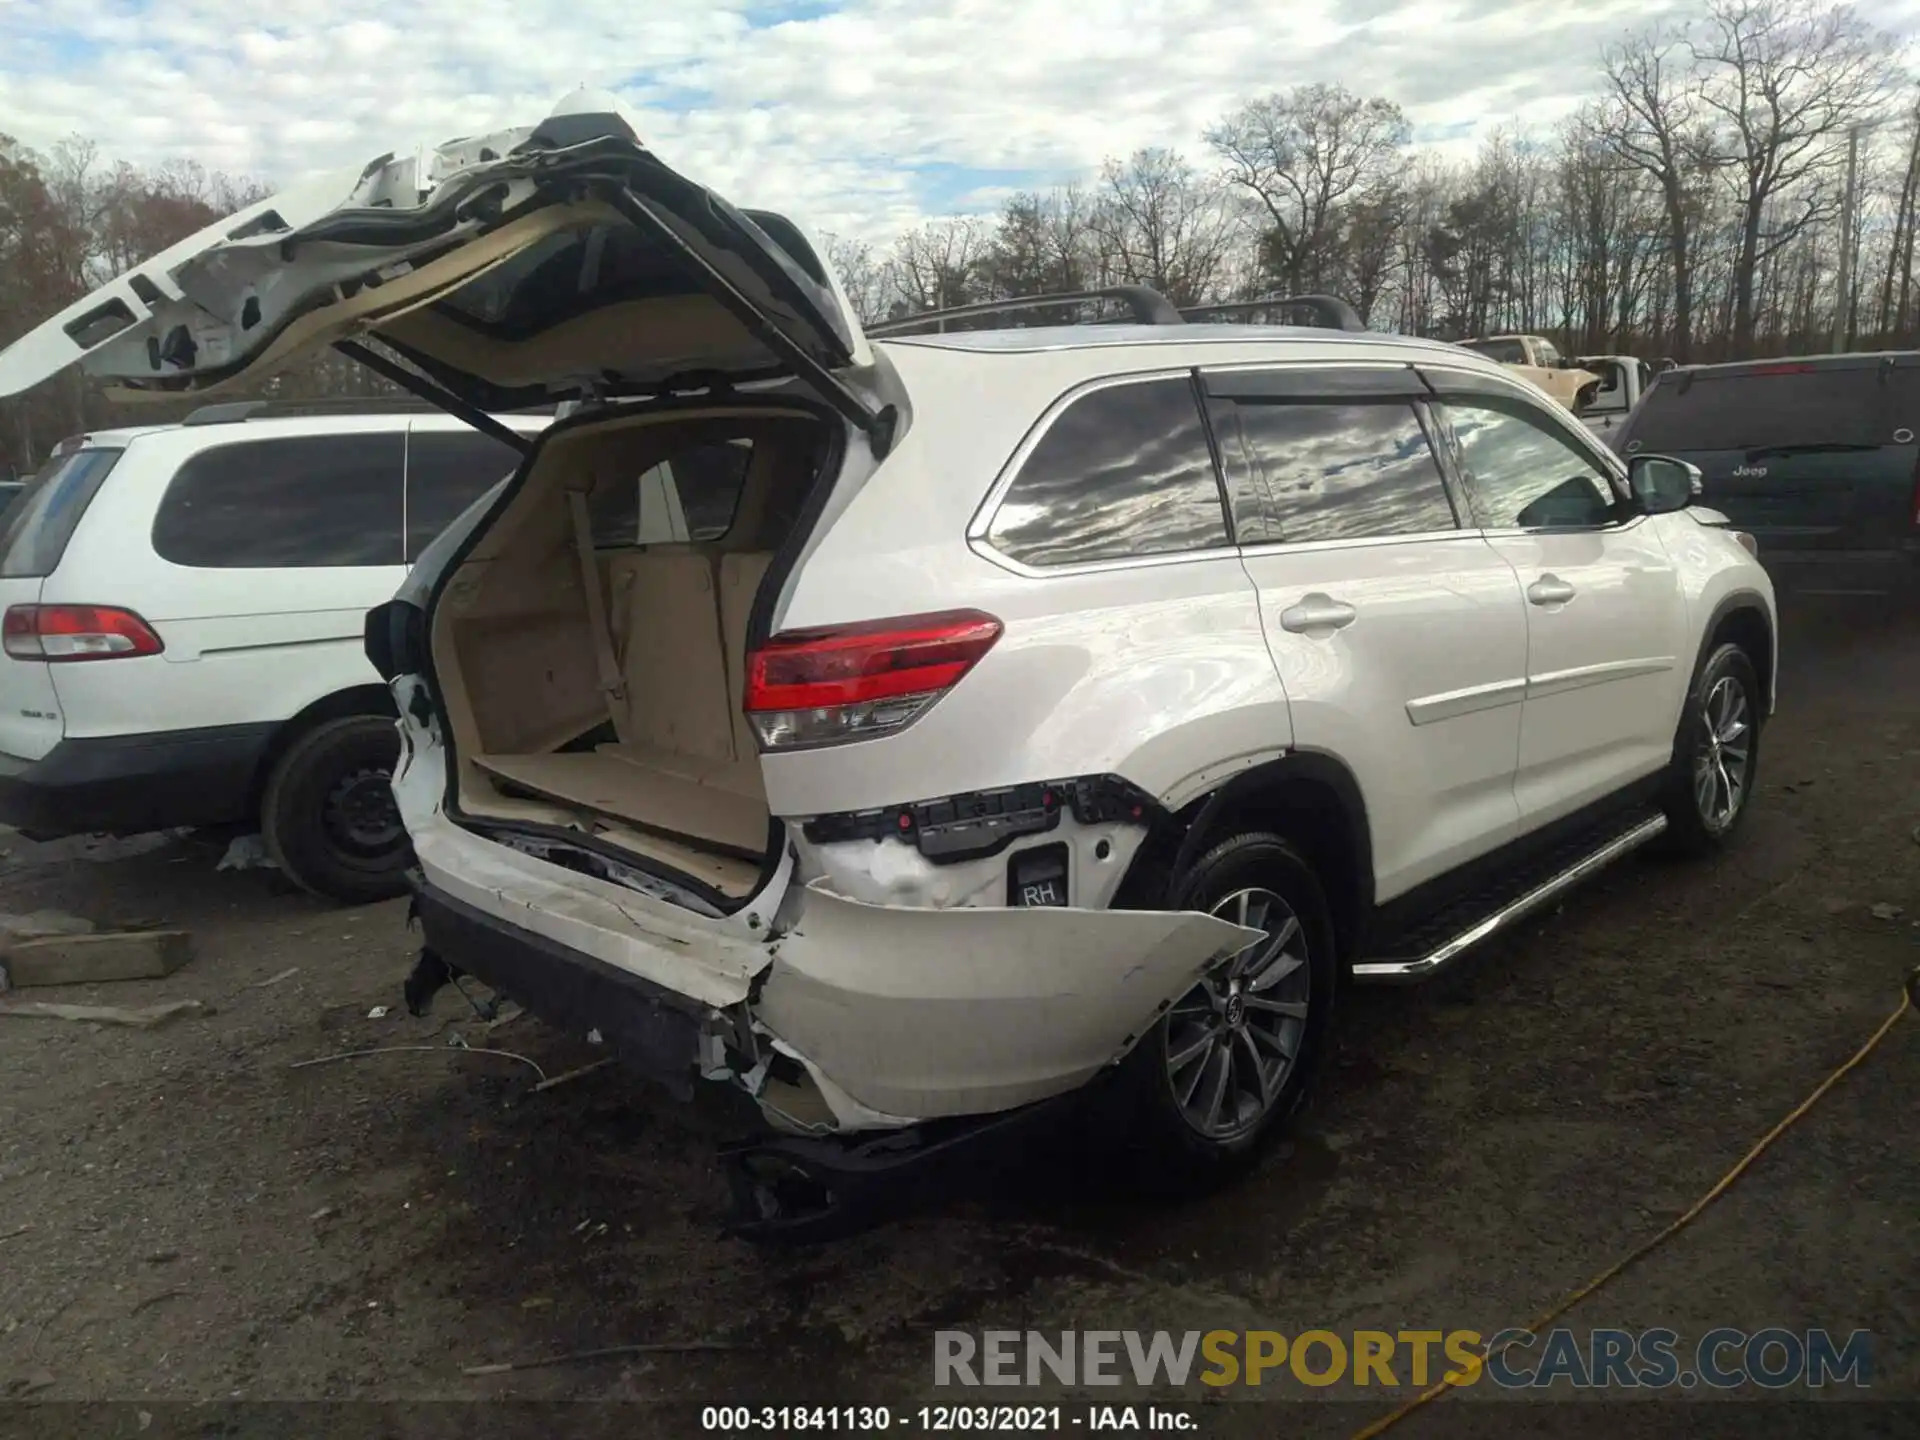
<point x="186" y="1217"/>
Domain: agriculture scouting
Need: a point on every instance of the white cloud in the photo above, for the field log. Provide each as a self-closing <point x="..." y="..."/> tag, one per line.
<point x="859" y="117"/>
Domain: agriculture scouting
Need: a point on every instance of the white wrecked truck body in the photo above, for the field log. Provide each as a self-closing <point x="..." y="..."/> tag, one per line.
<point x="896" y="1013"/>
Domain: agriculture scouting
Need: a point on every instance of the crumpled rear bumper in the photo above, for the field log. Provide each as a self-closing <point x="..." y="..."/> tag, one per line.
<point x="836" y="1014"/>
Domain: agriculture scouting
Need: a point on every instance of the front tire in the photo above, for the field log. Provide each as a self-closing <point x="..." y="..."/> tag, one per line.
<point x="1220" y="1072"/>
<point x="1716" y="754"/>
<point x="328" y="816"/>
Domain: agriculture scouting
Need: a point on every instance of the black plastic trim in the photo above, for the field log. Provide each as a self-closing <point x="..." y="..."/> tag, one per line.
<point x="128" y="784"/>
<point x="645" y="1025"/>
<point x="1295" y="765"/>
<point x="1387" y="924"/>
<point x="968" y="826"/>
<point x="1316" y="382"/>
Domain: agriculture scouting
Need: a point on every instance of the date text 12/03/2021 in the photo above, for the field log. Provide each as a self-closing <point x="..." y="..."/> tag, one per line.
<point x="943" y="1419"/>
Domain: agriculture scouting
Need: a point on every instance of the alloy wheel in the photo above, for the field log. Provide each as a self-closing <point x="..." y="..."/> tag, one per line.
<point x="1233" y="1038"/>
<point x="1725" y="755"/>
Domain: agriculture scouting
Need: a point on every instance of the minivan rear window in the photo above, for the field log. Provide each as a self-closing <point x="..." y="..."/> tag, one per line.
<point x="1764" y="408"/>
<point x="41" y="522"/>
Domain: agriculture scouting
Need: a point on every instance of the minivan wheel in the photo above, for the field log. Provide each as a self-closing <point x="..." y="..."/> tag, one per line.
<point x="328" y="815"/>
<point x="1716" y="754"/>
<point x="1232" y="1058"/>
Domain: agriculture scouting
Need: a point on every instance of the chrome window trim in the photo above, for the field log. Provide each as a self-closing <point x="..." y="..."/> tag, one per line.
<point x="982" y="522"/>
<point x="1006" y="562"/>
<point x="1356" y="542"/>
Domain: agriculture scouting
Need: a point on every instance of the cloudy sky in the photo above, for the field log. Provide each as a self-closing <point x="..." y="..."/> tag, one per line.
<point x="859" y="116"/>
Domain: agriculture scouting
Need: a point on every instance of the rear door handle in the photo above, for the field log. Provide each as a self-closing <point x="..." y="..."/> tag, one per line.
<point x="1549" y="590"/>
<point x="1317" y="612"/>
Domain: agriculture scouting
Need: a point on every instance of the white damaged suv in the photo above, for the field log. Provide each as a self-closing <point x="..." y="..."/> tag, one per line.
<point x="1010" y="708"/>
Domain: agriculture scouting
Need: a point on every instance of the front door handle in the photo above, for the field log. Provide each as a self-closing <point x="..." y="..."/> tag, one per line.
<point x="1317" y="612"/>
<point x="1549" y="590"/>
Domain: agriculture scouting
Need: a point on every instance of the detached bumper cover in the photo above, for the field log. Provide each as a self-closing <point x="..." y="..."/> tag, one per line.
<point x="898" y="1013"/>
<point x="126" y="784"/>
<point x="972" y="1010"/>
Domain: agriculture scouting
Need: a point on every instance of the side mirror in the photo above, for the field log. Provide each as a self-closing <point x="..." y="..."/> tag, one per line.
<point x="1662" y="484"/>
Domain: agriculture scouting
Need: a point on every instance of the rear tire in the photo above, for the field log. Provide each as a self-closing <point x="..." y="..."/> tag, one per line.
<point x="1219" y="1074"/>
<point x="1716" y="754"/>
<point x="328" y="816"/>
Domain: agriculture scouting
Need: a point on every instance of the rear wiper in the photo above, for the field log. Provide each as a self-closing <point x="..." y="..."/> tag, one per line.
<point x="1826" y="448"/>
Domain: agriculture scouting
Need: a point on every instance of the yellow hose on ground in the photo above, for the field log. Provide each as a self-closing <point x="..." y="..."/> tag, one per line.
<point x="1909" y="1000"/>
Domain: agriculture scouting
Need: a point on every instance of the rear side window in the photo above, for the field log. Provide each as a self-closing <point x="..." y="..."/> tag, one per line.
<point x="1337" y="471"/>
<point x="302" y="503"/>
<point x="692" y="495"/>
<point x="41" y="521"/>
<point x="446" y="472"/>
<point x="1122" y="471"/>
<point x="1785" y="406"/>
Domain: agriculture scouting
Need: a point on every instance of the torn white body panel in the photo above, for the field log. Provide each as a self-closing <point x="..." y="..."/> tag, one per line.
<point x="947" y="1004"/>
<point x="972" y="1010"/>
<point x="709" y="959"/>
<point x="894" y="872"/>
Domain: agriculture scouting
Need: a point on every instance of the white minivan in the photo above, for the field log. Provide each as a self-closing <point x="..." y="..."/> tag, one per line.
<point x="183" y="614"/>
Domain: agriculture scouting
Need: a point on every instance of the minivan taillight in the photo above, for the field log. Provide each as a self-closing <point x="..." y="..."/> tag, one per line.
<point x="854" y="682"/>
<point x="60" y="634"/>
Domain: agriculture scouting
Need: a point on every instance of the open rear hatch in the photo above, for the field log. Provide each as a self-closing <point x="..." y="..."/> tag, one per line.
<point x="587" y="647"/>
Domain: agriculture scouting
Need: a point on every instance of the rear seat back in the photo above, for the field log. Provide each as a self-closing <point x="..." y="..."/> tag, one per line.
<point x="682" y="646"/>
<point x="673" y="665"/>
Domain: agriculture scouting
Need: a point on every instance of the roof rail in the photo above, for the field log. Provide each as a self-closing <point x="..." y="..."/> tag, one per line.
<point x="233" y="411"/>
<point x="1147" y="306"/>
<point x="1330" y="312"/>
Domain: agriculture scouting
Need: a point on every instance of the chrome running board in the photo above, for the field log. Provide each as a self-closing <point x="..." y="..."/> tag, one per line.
<point x="1425" y="965"/>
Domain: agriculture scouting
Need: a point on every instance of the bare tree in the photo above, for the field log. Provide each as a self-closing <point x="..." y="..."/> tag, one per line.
<point x="1656" y="122"/>
<point x="1163" y="223"/>
<point x="1896" y="288"/>
<point x="865" y="278"/>
<point x="1785" y="81"/>
<point x="937" y="266"/>
<point x="1306" y="155"/>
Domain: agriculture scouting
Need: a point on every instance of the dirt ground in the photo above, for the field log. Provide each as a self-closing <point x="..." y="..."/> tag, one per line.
<point x="184" y="1216"/>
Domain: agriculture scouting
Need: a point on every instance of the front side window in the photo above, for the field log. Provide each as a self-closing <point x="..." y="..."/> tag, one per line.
<point x="1123" y="471"/>
<point x="1522" y="474"/>
<point x="1338" y="471"/>
<point x="298" y="503"/>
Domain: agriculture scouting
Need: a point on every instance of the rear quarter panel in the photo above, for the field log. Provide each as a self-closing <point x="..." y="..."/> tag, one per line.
<point x="1158" y="673"/>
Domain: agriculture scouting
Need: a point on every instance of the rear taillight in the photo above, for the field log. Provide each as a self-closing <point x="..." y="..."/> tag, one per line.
<point x="66" y="633"/>
<point x="853" y="682"/>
